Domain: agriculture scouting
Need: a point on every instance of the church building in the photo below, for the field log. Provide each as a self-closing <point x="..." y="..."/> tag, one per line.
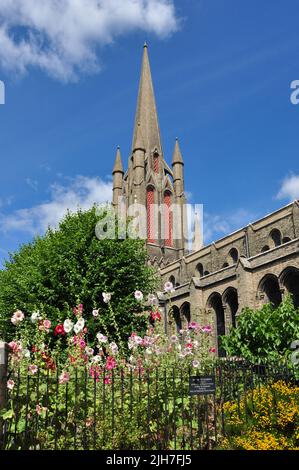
<point x="256" y="264"/>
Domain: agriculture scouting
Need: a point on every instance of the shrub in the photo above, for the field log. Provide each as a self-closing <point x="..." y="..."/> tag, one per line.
<point x="264" y="334"/>
<point x="267" y="419"/>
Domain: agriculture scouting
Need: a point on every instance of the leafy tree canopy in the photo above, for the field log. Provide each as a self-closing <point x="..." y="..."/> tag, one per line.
<point x="69" y="266"/>
<point x="265" y="333"/>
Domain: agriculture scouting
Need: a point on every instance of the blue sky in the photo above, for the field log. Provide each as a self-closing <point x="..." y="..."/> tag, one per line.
<point x="222" y="72"/>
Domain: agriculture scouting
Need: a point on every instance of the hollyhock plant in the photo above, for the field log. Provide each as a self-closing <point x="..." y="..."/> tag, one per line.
<point x="79" y="326"/>
<point x="207" y="329"/>
<point x="59" y="331"/>
<point x="138" y="295"/>
<point x="33" y="369"/>
<point x="64" y="378"/>
<point x="68" y="326"/>
<point x="44" y="325"/>
<point x="35" y="317"/>
<point x="10" y="384"/>
<point x="102" y="338"/>
<point x="106" y="297"/>
<point x="17" y="317"/>
<point x="168" y="287"/>
<point x="110" y="363"/>
<point x="78" y="310"/>
<point x="156" y="316"/>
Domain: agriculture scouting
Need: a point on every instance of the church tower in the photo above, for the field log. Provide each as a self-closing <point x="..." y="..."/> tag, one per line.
<point x="150" y="182"/>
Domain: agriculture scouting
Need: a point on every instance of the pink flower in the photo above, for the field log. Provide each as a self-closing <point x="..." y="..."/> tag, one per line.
<point x="47" y="324"/>
<point x="17" y="317"/>
<point x="10" y="384"/>
<point x="174" y="339"/>
<point x="33" y="369"/>
<point x="78" y="310"/>
<point x="16" y="347"/>
<point x="64" y="378"/>
<point x="110" y="363"/>
<point x="206" y="329"/>
<point x="40" y="409"/>
<point x="193" y="325"/>
<point x="212" y="350"/>
<point x="138" y="340"/>
<point x="82" y="344"/>
<point x="189" y="345"/>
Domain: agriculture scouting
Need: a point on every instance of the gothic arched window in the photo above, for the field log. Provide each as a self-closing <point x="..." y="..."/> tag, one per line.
<point x="168" y="233"/>
<point x="276" y="237"/>
<point x="156" y="163"/>
<point x="151" y="215"/>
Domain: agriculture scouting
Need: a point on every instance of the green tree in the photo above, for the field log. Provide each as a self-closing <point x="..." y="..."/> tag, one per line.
<point x="69" y="266"/>
<point x="265" y="333"/>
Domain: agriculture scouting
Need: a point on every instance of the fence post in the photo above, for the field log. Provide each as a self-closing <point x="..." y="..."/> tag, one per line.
<point x="3" y="382"/>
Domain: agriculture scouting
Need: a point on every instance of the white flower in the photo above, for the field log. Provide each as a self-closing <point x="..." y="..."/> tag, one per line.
<point x="149" y="351"/>
<point x="138" y="295"/>
<point x="195" y="364"/>
<point x="106" y="297"/>
<point x="168" y="287"/>
<point x="96" y="359"/>
<point x="68" y="326"/>
<point x="113" y="347"/>
<point x="26" y="353"/>
<point x="95" y="313"/>
<point x="89" y="351"/>
<point x="131" y="345"/>
<point x="152" y="299"/>
<point x="35" y="317"/>
<point x="101" y="338"/>
<point x="174" y="339"/>
<point x="79" y="325"/>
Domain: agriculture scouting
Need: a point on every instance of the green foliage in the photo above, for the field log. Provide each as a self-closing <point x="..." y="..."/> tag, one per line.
<point x="264" y="333"/>
<point x="69" y="266"/>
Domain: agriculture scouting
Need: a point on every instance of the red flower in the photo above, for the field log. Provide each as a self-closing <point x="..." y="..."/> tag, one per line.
<point x="59" y="331"/>
<point x="156" y="316"/>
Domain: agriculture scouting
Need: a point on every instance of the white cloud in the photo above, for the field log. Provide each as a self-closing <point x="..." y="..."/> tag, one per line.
<point x="61" y="37"/>
<point x="289" y="188"/>
<point x="81" y="192"/>
<point x="217" y="226"/>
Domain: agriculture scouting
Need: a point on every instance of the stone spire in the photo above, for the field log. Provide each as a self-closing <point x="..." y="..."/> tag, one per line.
<point x="118" y="177"/>
<point x="146" y="113"/>
<point x="139" y="140"/>
<point x="197" y="240"/>
<point x="178" y="170"/>
<point x="118" y="165"/>
<point x="177" y="155"/>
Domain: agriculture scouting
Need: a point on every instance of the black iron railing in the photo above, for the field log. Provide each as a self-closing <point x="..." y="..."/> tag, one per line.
<point x="129" y="409"/>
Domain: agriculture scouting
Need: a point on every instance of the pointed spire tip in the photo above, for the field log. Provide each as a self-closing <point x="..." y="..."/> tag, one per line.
<point x="145" y="44"/>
